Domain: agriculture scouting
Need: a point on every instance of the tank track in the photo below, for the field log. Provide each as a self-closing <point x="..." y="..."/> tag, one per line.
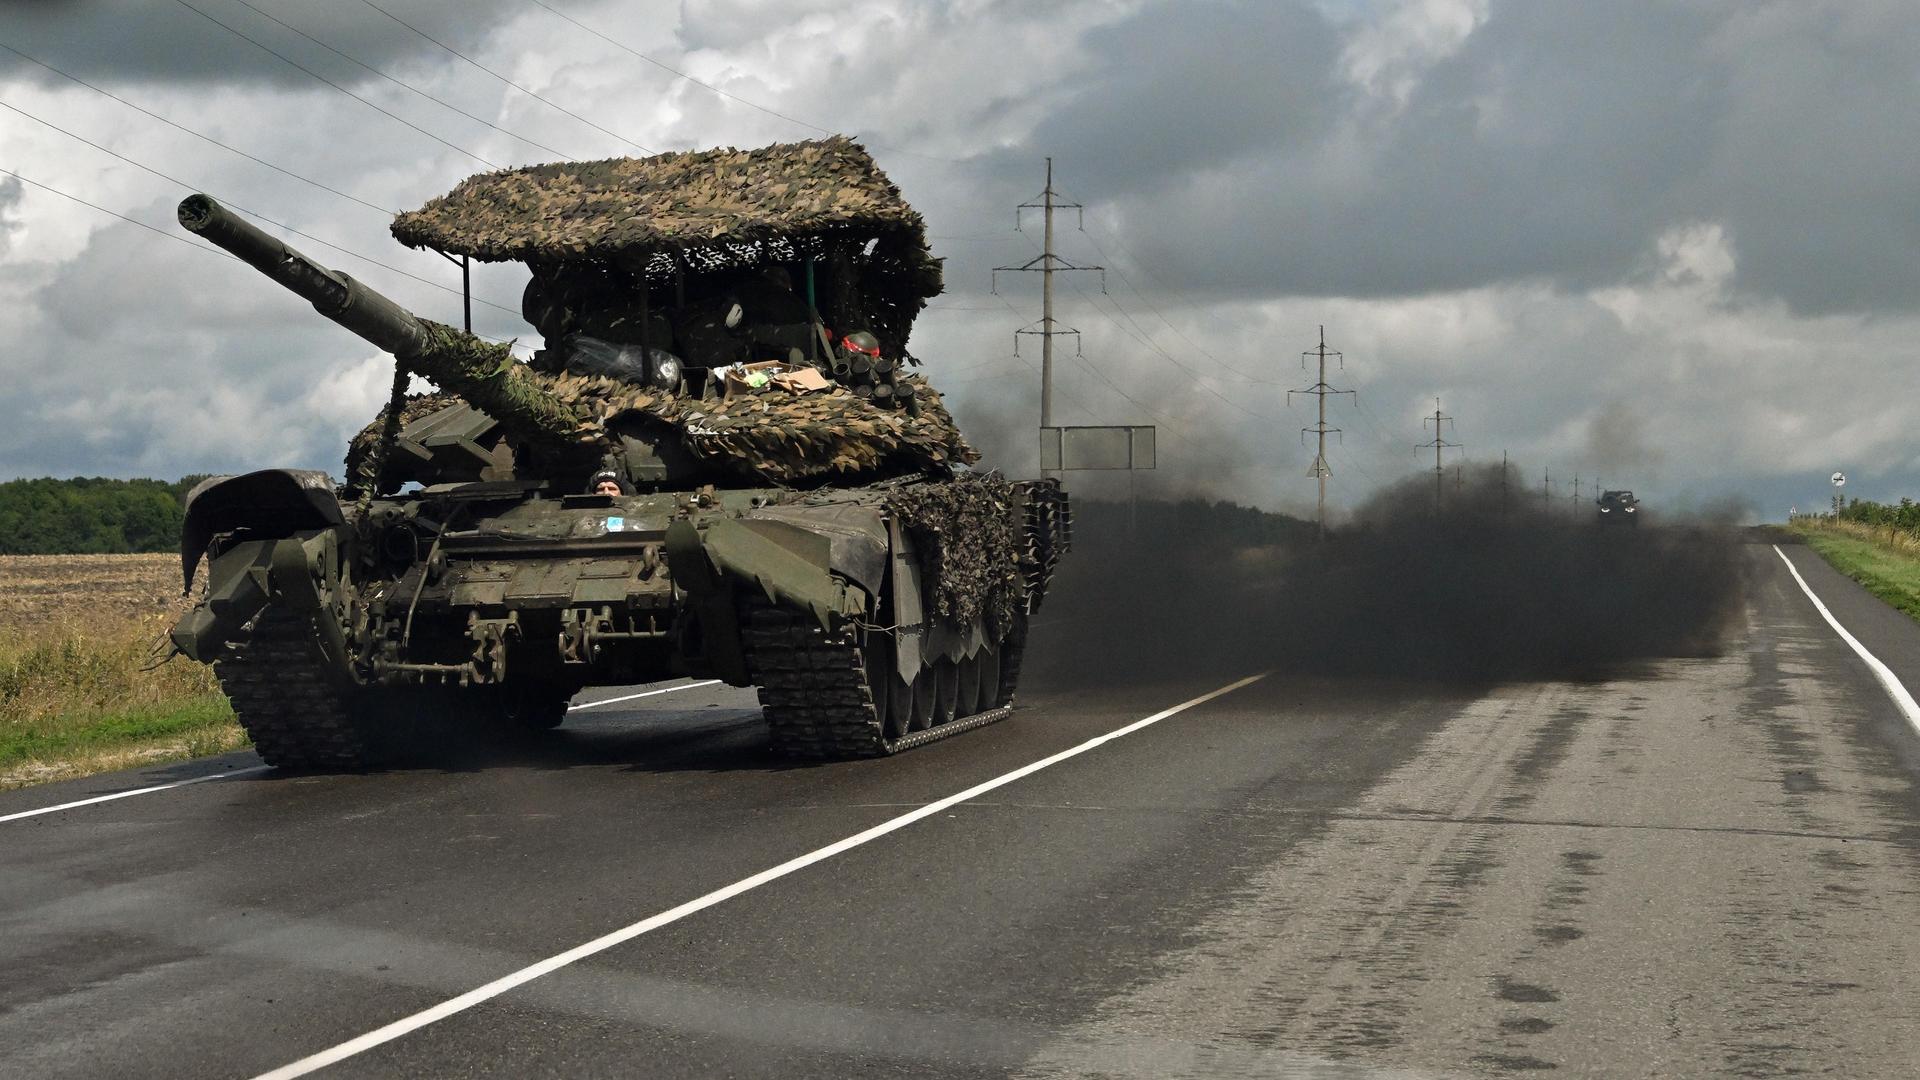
<point x="819" y="703"/>
<point x="297" y="714"/>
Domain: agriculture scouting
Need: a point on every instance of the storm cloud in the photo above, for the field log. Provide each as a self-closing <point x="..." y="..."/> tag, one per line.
<point x="1612" y="238"/>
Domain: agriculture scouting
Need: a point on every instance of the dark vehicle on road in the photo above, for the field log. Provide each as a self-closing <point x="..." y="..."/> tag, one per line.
<point x="1619" y="508"/>
<point x="694" y="476"/>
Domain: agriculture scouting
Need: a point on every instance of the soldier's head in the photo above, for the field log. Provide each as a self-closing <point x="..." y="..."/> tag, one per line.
<point x="606" y="482"/>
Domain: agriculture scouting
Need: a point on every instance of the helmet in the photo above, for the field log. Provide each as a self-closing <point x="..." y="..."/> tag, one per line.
<point x="861" y="342"/>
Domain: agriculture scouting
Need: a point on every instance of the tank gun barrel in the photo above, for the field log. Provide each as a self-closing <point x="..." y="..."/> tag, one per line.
<point x="333" y="294"/>
<point x="480" y="371"/>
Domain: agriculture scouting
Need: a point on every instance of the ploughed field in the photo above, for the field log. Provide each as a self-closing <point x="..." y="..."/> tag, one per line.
<point x="78" y="634"/>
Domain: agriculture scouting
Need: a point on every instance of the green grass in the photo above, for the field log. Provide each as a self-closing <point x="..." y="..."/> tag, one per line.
<point x="1892" y="575"/>
<point x="196" y="725"/>
<point x="90" y="700"/>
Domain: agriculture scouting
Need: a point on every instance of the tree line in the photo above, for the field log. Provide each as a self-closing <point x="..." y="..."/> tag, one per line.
<point x="91" y="515"/>
<point x="1904" y="515"/>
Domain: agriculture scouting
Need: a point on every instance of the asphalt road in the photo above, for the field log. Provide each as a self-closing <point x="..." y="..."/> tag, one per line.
<point x="1697" y="867"/>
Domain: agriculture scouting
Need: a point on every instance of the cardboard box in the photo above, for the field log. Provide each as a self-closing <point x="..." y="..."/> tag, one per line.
<point x="803" y="380"/>
<point x="746" y="378"/>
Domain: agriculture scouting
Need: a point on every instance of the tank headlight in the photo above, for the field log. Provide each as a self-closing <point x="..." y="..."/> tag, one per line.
<point x="1631" y="509"/>
<point x="1606" y="509"/>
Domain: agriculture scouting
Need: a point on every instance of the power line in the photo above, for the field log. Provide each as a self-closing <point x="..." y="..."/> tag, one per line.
<point x="1439" y="443"/>
<point x="728" y="94"/>
<point x="1141" y="337"/>
<point x="1321" y="390"/>
<point x="504" y="79"/>
<point x="511" y="344"/>
<point x="296" y="64"/>
<point x="1157" y="313"/>
<point x="1070" y="399"/>
<point x="384" y="211"/>
<point x="115" y="213"/>
<point x="252" y="213"/>
<point x="403" y="85"/>
<point x="1046" y="264"/>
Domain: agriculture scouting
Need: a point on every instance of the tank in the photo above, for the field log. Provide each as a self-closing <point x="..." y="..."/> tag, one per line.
<point x="721" y="464"/>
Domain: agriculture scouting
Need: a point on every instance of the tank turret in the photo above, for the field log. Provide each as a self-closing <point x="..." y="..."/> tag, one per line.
<point x="482" y="372"/>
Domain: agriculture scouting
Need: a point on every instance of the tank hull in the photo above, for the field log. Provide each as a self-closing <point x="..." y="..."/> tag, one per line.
<point x="864" y="628"/>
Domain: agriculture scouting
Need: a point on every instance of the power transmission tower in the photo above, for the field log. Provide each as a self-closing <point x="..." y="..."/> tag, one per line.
<point x="1574" y="499"/>
<point x="1439" y="443"/>
<point x="1321" y="389"/>
<point x="1503" y="481"/>
<point x="1546" y="491"/>
<point x="1045" y="264"/>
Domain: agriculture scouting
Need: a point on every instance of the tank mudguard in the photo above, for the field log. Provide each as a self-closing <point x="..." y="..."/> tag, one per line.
<point x="299" y="572"/>
<point x="268" y="504"/>
<point x="284" y="531"/>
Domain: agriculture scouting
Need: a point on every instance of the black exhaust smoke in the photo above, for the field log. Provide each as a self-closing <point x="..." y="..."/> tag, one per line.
<point x="1478" y="583"/>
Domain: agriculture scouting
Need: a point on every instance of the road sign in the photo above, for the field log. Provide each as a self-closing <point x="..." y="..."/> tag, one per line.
<point x="1127" y="447"/>
<point x="1839" y="479"/>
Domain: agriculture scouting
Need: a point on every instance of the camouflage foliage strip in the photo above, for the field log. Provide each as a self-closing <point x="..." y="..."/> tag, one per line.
<point x="967" y="533"/>
<point x="568" y="211"/>
<point x="779" y="437"/>
<point x="490" y="379"/>
<point x="783" y="437"/>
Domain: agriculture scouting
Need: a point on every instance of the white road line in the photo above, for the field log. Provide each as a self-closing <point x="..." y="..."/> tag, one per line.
<point x="600" y="944"/>
<point x="135" y="791"/>
<point x="648" y="693"/>
<point x="1901" y="699"/>
<point x="263" y="768"/>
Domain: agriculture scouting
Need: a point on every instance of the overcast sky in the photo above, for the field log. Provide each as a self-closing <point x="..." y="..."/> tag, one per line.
<point x="1674" y="246"/>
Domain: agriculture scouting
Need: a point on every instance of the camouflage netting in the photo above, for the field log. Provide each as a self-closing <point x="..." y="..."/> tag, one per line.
<point x="774" y="436"/>
<point x="490" y="379"/>
<point x="968" y="535"/>
<point x="783" y="437"/>
<point x="672" y="215"/>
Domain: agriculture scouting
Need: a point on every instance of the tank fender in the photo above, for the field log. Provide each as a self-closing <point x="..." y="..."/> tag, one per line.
<point x="710" y="635"/>
<point x="785" y="563"/>
<point x="906" y="615"/>
<point x="269" y="504"/>
<point x="856" y="536"/>
<point x="298" y="572"/>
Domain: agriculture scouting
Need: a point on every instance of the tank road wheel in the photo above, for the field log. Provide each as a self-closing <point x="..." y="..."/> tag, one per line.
<point x="892" y="699"/>
<point x="532" y="708"/>
<point x="297" y="713"/>
<point x="989" y="681"/>
<point x="922" y="694"/>
<point x="946" y="692"/>
<point x="968" y="693"/>
<point x="823" y="689"/>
